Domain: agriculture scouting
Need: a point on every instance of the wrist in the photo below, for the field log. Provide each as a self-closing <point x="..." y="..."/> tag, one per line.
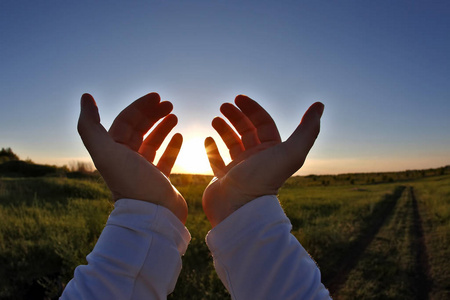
<point x="248" y="218"/>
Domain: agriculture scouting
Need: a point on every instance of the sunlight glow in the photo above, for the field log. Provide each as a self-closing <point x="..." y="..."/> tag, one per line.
<point x="192" y="158"/>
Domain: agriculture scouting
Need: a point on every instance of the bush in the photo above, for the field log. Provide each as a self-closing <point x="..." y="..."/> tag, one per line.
<point x="18" y="168"/>
<point x="6" y="154"/>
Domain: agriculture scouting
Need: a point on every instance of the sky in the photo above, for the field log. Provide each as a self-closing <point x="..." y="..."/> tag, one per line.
<point x="382" y="69"/>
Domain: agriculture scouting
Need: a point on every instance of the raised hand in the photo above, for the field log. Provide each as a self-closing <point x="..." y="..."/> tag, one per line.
<point x="261" y="162"/>
<point x="125" y="159"/>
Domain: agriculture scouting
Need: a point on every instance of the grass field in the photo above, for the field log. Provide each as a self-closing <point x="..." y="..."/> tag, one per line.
<point x="374" y="236"/>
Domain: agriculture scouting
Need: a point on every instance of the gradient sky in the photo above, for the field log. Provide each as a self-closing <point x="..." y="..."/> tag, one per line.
<point x="382" y="69"/>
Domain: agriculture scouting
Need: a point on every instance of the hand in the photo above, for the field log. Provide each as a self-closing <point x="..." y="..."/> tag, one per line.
<point x="261" y="163"/>
<point x="125" y="160"/>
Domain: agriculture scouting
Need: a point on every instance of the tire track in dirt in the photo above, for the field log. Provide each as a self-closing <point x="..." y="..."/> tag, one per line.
<point x="384" y="209"/>
<point x="422" y="280"/>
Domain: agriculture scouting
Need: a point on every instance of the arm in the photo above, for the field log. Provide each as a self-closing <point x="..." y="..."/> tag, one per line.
<point x="257" y="257"/>
<point x="138" y="253"/>
<point x="253" y="249"/>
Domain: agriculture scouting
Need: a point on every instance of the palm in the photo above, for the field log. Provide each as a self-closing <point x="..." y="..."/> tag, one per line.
<point x="125" y="159"/>
<point x="260" y="161"/>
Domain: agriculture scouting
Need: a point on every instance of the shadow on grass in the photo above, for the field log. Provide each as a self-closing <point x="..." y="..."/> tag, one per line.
<point x="334" y="278"/>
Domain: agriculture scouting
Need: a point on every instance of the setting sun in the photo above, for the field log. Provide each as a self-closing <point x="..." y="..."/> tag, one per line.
<point x="192" y="158"/>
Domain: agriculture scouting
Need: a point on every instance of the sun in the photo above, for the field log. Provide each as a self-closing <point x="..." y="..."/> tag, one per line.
<point x="192" y="158"/>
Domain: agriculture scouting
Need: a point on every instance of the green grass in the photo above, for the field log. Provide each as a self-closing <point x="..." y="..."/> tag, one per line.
<point x="47" y="227"/>
<point x="355" y="225"/>
<point x="433" y="196"/>
<point x="331" y="223"/>
<point x="387" y="267"/>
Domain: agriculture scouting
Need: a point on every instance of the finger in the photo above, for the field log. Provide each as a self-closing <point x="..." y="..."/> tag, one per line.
<point x="154" y="140"/>
<point x="134" y="121"/>
<point x="170" y="155"/>
<point x="93" y="134"/>
<point x="262" y="121"/>
<point x="229" y="136"/>
<point x="215" y="160"/>
<point x="242" y="124"/>
<point x="304" y="136"/>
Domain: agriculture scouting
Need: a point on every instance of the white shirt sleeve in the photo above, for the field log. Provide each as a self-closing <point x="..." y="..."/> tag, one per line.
<point x="137" y="256"/>
<point x="257" y="257"/>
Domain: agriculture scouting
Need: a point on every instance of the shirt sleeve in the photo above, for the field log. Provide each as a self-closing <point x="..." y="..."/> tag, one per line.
<point x="257" y="257"/>
<point x="137" y="256"/>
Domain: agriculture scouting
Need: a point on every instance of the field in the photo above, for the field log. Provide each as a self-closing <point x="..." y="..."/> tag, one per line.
<point x="374" y="236"/>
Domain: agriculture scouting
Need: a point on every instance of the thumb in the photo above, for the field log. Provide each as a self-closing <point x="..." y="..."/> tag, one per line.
<point x="91" y="131"/>
<point x="89" y="107"/>
<point x="304" y="136"/>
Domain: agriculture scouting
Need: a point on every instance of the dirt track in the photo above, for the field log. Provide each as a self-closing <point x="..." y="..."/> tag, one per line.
<point x="397" y="222"/>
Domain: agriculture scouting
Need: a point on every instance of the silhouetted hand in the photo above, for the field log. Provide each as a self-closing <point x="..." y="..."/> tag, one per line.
<point x="125" y="159"/>
<point x="261" y="162"/>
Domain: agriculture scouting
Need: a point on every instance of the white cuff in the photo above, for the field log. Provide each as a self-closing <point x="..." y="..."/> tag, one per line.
<point x="137" y="214"/>
<point x="264" y="210"/>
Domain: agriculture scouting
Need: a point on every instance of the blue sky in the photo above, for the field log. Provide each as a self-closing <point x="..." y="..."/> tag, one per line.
<point x="381" y="68"/>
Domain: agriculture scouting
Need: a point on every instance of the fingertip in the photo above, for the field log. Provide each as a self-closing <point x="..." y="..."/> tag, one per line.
<point x="226" y="107"/>
<point x="209" y="141"/>
<point x="166" y="103"/>
<point x="86" y="95"/>
<point x="308" y="129"/>
<point x="166" y="107"/>
<point x="148" y="100"/>
<point x="153" y="96"/>
<point x="172" y="119"/>
<point x="215" y="160"/>
<point x="246" y="104"/>
<point x="216" y="121"/>
<point x="176" y="141"/>
<point x="89" y="118"/>
<point x="241" y="99"/>
<point x="89" y="109"/>
<point x="320" y="107"/>
<point x="178" y="137"/>
<point x="314" y="111"/>
<point x="87" y="98"/>
<point x="210" y="146"/>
